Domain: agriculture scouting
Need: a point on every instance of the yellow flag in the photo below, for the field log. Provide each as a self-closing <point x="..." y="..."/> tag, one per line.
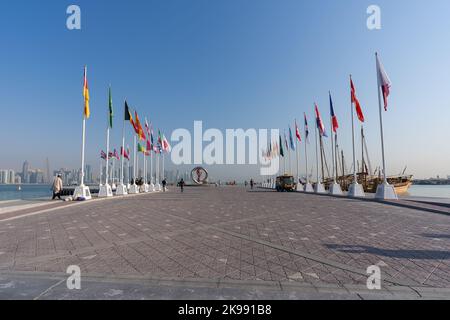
<point x="87" y="111"/>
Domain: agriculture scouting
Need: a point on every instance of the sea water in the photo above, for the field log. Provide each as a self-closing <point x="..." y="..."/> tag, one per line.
<point x="11" y="192"/>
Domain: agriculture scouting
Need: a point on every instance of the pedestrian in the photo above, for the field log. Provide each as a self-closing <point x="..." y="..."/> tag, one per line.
<point x="252" y="183"/>
<point x="57" y="187"/>
<point x="181" y="184"/>
<point x="164" y="183"/>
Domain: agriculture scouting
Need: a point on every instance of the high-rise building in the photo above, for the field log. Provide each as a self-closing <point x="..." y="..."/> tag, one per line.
<point x="4" y="176"/>
<point x="25" y="172"/>
<point x="11" y="177"/>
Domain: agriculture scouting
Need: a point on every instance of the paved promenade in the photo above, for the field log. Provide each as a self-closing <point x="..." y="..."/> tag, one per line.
<point x="226" y="242"/>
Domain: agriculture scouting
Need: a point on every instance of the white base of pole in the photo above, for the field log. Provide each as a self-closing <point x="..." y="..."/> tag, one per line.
<point x="335" y="189"/>
<point x="158" y="187"/>
<point x="82" y="193"/>
<point x="151" y="187"/>
<point x="105" y="191"/>
<point x="145" y="188"/>
<point x="134" y="189"/>
<point x="386" y="192"/>
<point x="319" y="188"/>
<point x="273" y="186"/>
<point x="308" y="188"/>
<point x="113" y="186"/>
<point x="300" y="187"/>
<point x="356" y="191"/>
<point x="121" y="190"/>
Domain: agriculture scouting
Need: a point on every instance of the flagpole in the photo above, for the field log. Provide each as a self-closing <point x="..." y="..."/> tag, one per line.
<point x="297" y="153"/>
<point x="122" y="153"/>
<point x="332" y="143"/>
<point x="317" y="156"/>
<point x="384" y="191"/>
<point x="355" y="189"/>
<point x="134" y="160"/>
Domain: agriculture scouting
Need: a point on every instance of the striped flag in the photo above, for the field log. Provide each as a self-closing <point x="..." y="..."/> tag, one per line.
<point x="306" y="128"/>
<point x="384" y="82"/>
<point x="281" y="148"/>
<point x="334" y="120"/>
<point x="319" y="122"/>
<point x="355" y="101"/>
<point x="291" y="139"/>
<point x="103" y="155"/>
<point x="297" y="132"/>
<point x="87" y="111"/>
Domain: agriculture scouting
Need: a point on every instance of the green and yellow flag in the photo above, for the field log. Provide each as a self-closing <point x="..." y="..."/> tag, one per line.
<point x="111" y="111"/>
<point x="140" y="148"/>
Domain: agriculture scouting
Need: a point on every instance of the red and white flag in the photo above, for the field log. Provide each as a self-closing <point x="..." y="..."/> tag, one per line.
<point x="384" y="82"/>
<point x="297" y="132"/>
<point x="355" y="101"/>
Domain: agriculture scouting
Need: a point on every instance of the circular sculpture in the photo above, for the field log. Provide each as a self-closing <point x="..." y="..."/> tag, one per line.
<point x="199" y="175"/>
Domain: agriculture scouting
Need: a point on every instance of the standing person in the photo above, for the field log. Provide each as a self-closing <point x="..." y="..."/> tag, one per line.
<point x="252" y="183"/>
<point x="57" y="187"/>
<point x="181" y="184"/>
<point x="164" y="183"/>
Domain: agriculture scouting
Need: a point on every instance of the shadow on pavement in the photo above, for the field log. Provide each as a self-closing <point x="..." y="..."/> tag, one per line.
<point x="403" y="254"/>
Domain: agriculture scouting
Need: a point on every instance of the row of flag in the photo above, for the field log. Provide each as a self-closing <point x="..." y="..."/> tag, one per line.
<point x="276" y="148"/>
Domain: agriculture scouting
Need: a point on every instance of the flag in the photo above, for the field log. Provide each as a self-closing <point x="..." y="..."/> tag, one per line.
<point x="111" y="112"/>
<point x="140" y="148"/>
<point x="139" y="130"/>
<point x="291" y="139"/>
<point x="147" y="128"/>
<point x="87" y="111"/>
<point x="116" y="155"/>
<point x="124" y="154"/>
<point x="297" y="132"/>
<point x="149" y="146"/>
<point x="281" y="148"/>
<point x="110" y="155"/>
<point x="384" y="82"/>
<point x="334" y="121"/>
<point x="166" y="145"/>
<point x="129" y="117"/>
<point x="319" y="121"/>
<point x="306" y="128"/>
<point x="103" y="155"/>
<point x="356" y="102"/>
<point x="285" y="141"/>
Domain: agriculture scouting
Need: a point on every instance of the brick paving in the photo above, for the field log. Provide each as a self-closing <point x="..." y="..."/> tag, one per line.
<point x="231" y="233"/>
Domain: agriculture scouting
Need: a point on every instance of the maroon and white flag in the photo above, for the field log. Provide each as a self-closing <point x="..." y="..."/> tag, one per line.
<point x="384" y="82"/>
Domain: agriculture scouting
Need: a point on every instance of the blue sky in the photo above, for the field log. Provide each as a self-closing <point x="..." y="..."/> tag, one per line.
<point x="232" y="64"/>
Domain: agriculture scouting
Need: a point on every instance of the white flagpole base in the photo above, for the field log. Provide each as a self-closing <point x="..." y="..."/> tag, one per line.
<point x="113" y="186"/>
<point x="356" y="191"/>
<point x="128" y="186"/>
<point x="145" y="188"/>
<point x="335" y="189"/>
<point x="121" y="190"/>
<point x="151" y="187"/>
<point x="273" y="186"/>
<point x="308" y="188"/>
<point x="158" y="187"/>
<point x="105" y="191"/>
<point x="82" y="193"/>
<point x="386" y="192"/>
<point x="319" y="188"/>
<point x="300" y="187"/>
<point x="134" y="189"/>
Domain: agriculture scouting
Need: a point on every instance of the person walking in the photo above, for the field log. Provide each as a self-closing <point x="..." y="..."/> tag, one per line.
<point x="164" y="183"/>
<point x="252" y="183"/>
<point x="181" y="184"/>
<point x="57" y="187"/>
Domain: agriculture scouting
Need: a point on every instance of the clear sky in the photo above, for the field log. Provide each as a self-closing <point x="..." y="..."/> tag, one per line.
<point x="232" y="64"/>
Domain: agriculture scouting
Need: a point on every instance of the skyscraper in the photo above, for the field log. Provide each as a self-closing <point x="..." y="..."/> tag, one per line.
<point x="26" y="172"/>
